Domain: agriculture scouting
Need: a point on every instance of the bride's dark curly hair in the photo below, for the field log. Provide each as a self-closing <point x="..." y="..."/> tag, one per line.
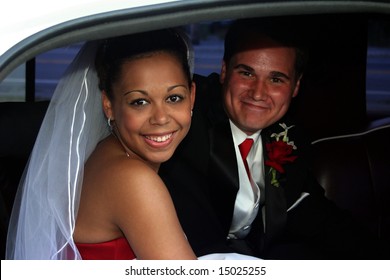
<point x="113" y="52"/>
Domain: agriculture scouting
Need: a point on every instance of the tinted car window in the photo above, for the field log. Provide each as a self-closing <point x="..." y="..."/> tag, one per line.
<point x="207" y="38"/>
<point x="378" y="68"/>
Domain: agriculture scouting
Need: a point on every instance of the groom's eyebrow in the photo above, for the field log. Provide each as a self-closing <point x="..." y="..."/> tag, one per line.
<point x="278" y="74"/>
<point x="274" y="74"/>
<point x="244" y="67"/>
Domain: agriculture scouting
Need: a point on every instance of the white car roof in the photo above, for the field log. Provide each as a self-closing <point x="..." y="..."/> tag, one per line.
<point x="28" y="28"/>
<point x="22" y="18"/>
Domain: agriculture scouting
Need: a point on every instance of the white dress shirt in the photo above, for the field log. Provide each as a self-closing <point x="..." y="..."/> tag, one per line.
<point x="250" y="195"/>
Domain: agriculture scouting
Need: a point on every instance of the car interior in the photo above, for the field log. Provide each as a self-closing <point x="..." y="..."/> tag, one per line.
<point x="351" y="152"/>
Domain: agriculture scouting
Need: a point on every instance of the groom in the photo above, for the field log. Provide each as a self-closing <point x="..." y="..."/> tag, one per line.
<point x="265" y="202"/>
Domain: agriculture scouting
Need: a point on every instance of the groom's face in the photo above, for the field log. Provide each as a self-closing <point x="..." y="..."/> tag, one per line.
<point x="259" y="83"/>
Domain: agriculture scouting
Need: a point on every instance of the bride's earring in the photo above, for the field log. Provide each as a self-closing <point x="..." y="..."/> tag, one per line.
<point x="109" y="123"/>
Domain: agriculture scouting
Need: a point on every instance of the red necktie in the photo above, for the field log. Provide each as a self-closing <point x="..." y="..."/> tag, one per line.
<point x="245" y="147"/>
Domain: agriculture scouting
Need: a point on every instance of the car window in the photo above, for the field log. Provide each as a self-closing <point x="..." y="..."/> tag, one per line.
<point x="49" y="68"/>
<point x="207" y="39"/>
<point x="13" y="88"/>
<point x="378" y="68"/>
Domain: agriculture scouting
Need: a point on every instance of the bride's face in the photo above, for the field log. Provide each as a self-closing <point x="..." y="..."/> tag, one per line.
<point x="152" y="105"/>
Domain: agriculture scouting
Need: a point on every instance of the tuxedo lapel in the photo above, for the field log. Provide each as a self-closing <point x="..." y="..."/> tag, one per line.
<point x="275" y="200"/>
<point x="275" y="210"/>
<point x="223" y="171"/>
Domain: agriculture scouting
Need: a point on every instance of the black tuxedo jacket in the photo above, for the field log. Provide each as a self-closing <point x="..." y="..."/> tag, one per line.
<point x="202" y="178"/>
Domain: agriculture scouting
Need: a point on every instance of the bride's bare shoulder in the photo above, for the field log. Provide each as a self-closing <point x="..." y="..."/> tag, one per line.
<point x="110" y="166"/>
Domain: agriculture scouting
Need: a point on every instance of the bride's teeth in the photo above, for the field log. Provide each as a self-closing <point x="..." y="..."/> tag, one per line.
<point x="159" y="138"/>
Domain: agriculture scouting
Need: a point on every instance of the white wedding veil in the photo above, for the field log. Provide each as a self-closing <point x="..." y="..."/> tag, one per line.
<point x="45" y="208"/>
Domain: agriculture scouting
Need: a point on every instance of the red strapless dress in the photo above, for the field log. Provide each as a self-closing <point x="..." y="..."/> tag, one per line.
<point x="117" y="249"/>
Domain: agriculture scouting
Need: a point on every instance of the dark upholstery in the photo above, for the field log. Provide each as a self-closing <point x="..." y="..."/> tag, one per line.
<point x="352" y="157"/>
<point x="355" y="172"/>
<point x="19" y="126"/>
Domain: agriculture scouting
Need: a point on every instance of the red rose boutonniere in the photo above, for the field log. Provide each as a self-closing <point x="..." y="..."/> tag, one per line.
<point x="279" y="153"/>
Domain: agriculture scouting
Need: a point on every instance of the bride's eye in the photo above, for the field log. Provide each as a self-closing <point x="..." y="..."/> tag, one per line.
<point x="139" y="102"/>
<point x="175" y="98"/>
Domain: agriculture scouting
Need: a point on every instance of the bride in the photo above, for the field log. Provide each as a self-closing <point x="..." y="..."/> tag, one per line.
<point x="91" y="188"/>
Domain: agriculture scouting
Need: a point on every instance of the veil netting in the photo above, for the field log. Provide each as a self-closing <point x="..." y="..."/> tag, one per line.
<point x="45" y="208"/>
